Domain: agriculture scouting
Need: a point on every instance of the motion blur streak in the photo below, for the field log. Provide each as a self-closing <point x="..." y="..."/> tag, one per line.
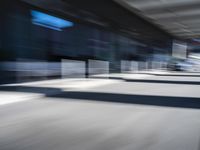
<point x="99" y="75"/>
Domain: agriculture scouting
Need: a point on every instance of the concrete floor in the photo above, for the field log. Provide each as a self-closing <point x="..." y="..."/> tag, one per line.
<point x="116" y="116"/>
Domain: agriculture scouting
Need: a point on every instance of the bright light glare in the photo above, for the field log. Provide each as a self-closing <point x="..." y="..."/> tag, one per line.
<point x="49" y="21"/>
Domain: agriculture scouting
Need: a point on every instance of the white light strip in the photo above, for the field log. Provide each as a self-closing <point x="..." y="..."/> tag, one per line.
<point x="50" y="27"/>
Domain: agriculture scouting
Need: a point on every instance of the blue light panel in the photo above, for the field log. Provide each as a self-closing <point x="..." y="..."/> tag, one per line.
<point x="49" y="21"/>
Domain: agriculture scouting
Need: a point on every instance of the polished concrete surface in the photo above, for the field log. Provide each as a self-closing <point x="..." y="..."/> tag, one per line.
<point x="121" y="115"/>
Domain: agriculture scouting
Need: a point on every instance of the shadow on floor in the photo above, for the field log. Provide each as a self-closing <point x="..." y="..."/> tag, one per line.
<point x="171" y="74"/>
<point x="27" y="89"/>
<point x="176" y="75"/>
<point x="168" y="101"/>
<point x="163" y="81"/>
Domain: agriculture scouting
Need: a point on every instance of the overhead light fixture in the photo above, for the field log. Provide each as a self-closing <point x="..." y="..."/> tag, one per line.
<point x="48" y="21"/>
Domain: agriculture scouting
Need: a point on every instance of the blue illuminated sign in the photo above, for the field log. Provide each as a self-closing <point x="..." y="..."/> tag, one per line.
<point x="48" y="21"/>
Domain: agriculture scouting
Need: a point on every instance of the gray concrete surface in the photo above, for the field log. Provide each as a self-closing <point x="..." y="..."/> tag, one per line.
<point x="72" y="120"/>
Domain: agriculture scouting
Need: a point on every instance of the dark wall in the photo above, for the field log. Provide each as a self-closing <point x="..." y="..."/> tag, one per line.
<point x="109" y="15"/>
<point x="102" y="30"/>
